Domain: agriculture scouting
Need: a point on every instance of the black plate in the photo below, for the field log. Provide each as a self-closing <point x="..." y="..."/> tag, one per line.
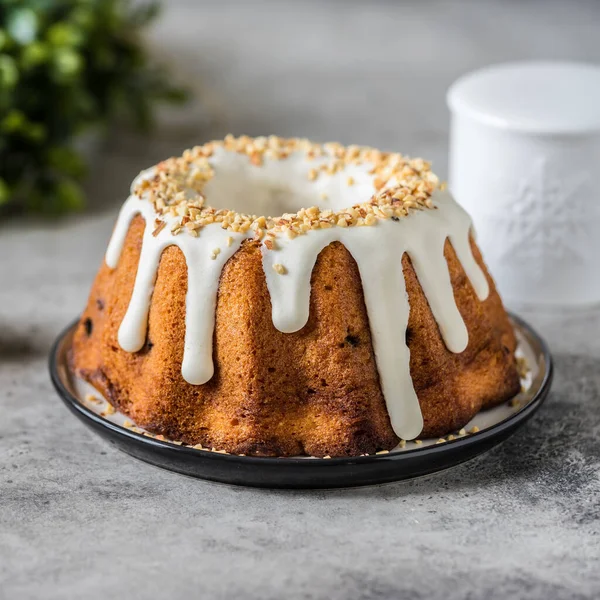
<point x="306" y="472"/>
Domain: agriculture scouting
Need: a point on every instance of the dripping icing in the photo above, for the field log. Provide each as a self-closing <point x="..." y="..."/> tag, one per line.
<point x="421" y="235"/>
<point x="204" y="273"/>
<point x="377" y="250"/>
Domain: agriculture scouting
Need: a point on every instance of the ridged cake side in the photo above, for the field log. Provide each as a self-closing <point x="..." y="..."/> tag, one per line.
<point x="315" y="391"/>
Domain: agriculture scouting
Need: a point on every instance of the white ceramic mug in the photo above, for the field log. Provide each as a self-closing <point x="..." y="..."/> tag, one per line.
<point x="525" y="163"/>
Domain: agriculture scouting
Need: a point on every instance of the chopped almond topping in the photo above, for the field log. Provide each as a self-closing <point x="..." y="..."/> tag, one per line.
<point x="159" y="226"/>
<point x="177" y="187"/>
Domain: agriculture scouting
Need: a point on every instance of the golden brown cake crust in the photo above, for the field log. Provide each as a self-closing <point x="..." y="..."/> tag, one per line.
<point x="312" y="392"/>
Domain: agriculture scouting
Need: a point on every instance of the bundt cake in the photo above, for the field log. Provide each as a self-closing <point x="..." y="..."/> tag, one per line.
<point x="362" y="315"/>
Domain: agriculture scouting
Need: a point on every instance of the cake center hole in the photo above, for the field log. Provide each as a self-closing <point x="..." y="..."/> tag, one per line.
<point x="280" y="186"/>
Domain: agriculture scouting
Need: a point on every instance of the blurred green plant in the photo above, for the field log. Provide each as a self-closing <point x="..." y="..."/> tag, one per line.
<point x="68" y="66"/>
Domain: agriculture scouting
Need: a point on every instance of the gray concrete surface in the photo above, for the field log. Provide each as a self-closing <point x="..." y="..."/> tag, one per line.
<point x="80" y="520"/>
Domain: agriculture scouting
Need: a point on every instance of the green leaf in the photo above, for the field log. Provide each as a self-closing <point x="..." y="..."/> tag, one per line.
<point x="67" y="64"/>
<point x="83" y="16"/>
<point x="13" y="121"/>
<point x="16" y="123"/>
<point x="36" y="132"/>
<point x="34" y="54"/>
<point x="4" y="192"/>
<point x="66" y="160"/>
<point x="9" y="74"/>
<point x="69" y="195"/>
<point x="64" y="34"/>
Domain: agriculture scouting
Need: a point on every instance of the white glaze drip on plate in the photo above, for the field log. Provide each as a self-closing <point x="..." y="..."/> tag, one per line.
<point x="378" y="252"/>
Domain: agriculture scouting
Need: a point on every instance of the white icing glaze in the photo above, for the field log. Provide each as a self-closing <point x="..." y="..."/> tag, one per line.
<point x="378" y="252"/>
<point x="204" y="273"/>
<point x="377" y="249"/>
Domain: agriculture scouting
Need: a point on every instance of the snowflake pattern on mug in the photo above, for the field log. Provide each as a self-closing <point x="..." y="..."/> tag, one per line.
<point x="548" y="218"/>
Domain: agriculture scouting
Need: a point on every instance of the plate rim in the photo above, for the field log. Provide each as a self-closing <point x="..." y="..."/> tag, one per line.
<point x="484" y="437"/>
